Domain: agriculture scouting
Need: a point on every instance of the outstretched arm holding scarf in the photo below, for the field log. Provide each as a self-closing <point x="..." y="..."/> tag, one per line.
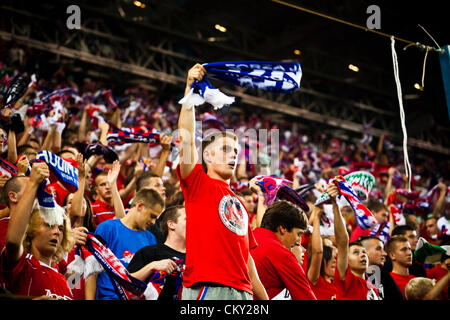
<point x="21" y="214"/>
<point x="186" y="126"/>
<point x="340" y="232"/>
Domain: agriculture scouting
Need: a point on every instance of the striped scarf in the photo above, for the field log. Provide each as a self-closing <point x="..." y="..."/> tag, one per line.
<point x="158" y="279"/>
<point x="364" y="217"/>
<point x="7" y="168"/>
<point x="132" y="135"/>
<point x="279" y="77"/>
<point x="274" y="187"/>
<point x="126" y="286"/>
<point x="381" y="230"/>
<point x="66" y="174"/>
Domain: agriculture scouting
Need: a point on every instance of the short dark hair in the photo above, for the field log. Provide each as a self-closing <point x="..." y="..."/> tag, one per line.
<point x="171" y="213"/>
<point x="355" y="243"/>
<point x="401" y="230"/>
<point x="375" y="205"/>
<point x="11" y="185"/>
<point x="149" y="197"/>
<point x="364" y="239"/>
<point x="391" y="244"/>
<point x="285" y="214"/>
<point x="100" y="174"/>
<point x="140" y="182"/>
<point x="210" y="138"/>
<point x="361" y="239"/>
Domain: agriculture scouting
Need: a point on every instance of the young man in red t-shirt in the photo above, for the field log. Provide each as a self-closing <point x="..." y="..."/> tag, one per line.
<point x="105" y="185"/>
<point x="282" y="227"/>
<point x="218" y="235"/>
<point x="400" y="253"/>
<point x="352" y="261"/>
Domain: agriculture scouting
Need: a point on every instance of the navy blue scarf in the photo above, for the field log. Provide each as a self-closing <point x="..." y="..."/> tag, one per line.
<point x="279" y="77"/>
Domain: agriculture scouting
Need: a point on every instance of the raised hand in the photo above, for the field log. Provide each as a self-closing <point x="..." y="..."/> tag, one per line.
<point x="3" y="179"/>
<point x="81" y="165"/>
<point x="333" y="191"/>
<point x="254" y="187"/>
<point x="165" y="141"/>
<point x="197" y="72"/>
<point x="22" y="165"/>
<point x="39" y="172"/>
<point x="80" y="235"/>
<point x="113" y="174"/>
<point x="138" y="169"/>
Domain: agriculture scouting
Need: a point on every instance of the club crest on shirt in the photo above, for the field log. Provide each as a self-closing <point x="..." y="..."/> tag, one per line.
<point x="233" y="215"/>
<point x="127" y="256"/>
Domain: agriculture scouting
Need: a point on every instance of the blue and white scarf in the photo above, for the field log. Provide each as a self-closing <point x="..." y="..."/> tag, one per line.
<point x="66" y="174"/>
<point x="280" y="77"/>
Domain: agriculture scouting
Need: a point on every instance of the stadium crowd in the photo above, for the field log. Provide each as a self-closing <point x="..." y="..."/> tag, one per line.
<point x="147" y="216"/>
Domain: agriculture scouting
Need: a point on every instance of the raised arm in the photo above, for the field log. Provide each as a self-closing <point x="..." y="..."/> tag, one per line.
<point x="112" y="180"/>
<point x="165" y="143"/>
<point x="82" y="127"/>
<point x="104" y="127"/>
<point x="261" y="207"/>
<point x="340" y="233"/>
<point x="28" y="130"/>
<point x="20" y="215"/>
<point x="186" y="126"/>
<point x="379" y="148"/>
<point x="438" y="287"/>
<point x="77" y="201"/>
<point x="316" y="247"/>
<point x="131" y="186"/>
<point x="46" y="145"/>
<point x="12" y="147"/>
<point x="22" y="165"/>
<point x="389" y="188"/>
<point x="440" y="202"/>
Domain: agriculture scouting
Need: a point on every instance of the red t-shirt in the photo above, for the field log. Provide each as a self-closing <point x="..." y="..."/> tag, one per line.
<point x="323" y="289"/>
<point x="357" y="232"/>
<point x="401" y="281"/>
<point x="278" y="268"/>
<point x="30" y="277"/>
<point x="102" y="211"/>
<point x="437" y="273"/>
<point x="353" y="287"/>
<point x="218" y="235"/>
<point x="3" y="229"/>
